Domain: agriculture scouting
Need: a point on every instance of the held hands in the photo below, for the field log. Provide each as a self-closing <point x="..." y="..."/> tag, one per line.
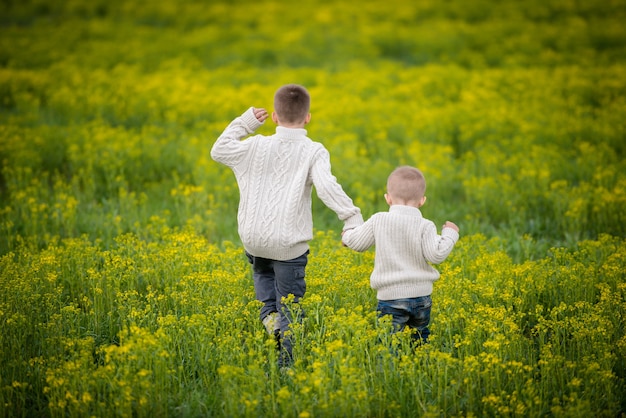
<point x="260" y="114"/>
<point x="449" y="224"/>
<point x="343" y="243"/>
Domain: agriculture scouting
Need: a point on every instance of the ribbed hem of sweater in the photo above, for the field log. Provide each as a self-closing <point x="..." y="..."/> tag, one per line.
<point x="280" y="253"/>
<point x="404" y="292"/>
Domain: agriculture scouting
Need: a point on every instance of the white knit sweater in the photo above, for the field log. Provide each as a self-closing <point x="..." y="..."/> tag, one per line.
<point x="405" y="244"/>
<point x="275" y="175"/>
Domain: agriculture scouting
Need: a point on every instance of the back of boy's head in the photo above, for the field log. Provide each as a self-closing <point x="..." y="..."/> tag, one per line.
<point x="406" y="183"/>
<point x="292" y="103"/>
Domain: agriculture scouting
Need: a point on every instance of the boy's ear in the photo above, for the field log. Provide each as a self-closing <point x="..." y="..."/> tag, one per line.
<point x="422" y="201"/>
<point x="388" y="198"/>
<point x="307" y="119"/>
<point x="275" y="118"/>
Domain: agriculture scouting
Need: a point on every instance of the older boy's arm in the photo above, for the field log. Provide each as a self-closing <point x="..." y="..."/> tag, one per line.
<point x="228" y="146"/>
<point x="260" y="114"/>
<point x="332" y="194"/>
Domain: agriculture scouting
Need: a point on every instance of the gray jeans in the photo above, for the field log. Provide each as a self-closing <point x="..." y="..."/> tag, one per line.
<point x="274" y="280"/>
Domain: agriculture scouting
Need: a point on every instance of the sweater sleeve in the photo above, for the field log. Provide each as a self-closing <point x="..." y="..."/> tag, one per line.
<point x="331" y="192"/>
<point x="436" y="247"/>
<point x="228" y="148"/>
<point x="360" y="238"/>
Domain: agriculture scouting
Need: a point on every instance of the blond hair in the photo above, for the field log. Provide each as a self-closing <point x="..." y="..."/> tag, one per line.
<point x="406" y="183"/>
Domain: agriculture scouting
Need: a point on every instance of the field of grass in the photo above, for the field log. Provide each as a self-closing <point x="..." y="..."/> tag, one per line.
<point x="124" y="290"/>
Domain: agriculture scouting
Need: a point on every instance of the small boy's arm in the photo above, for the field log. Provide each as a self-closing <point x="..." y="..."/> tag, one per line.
<point x="360" y="238"/>
<point x="438" y="247"/>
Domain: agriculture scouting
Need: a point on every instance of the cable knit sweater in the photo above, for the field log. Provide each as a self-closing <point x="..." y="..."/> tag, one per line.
<point x="275" y="175"/>
<point x="405" y="244"/>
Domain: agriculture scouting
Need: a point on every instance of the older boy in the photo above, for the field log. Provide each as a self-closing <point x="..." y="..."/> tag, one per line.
<point x="275" y="175"/>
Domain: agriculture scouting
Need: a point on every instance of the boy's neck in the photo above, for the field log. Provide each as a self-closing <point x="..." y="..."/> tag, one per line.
<point x="297" y="125"/>
<point x="411" y="204"/>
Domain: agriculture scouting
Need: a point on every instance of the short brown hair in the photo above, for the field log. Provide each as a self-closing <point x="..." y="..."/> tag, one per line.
<point x="406" y="183"/>
<point x="292" y="103"/>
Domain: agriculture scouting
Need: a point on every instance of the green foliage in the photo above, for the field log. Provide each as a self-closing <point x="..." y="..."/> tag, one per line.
<point x="166" y="323"/>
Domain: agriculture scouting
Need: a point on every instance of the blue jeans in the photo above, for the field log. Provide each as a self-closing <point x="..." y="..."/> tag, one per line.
<point x="412" y="312"/>
<point x="275" y="280"/>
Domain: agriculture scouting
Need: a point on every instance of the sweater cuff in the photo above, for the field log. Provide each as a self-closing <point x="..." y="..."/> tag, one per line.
<point x="250" y="120"/>
<point x="450" y="233"/>
<point x="353" y="221"/>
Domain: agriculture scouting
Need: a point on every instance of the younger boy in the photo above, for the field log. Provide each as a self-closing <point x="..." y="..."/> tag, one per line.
<point x="275" y="175"/>
<point x="405" y="244"/>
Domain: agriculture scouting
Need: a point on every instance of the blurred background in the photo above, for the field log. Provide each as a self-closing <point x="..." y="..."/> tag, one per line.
<point x="514" y="111"/>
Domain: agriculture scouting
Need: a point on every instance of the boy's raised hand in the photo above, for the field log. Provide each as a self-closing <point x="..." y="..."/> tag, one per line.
<point x="260" y="114"/>
<point x="449" y="224"/>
